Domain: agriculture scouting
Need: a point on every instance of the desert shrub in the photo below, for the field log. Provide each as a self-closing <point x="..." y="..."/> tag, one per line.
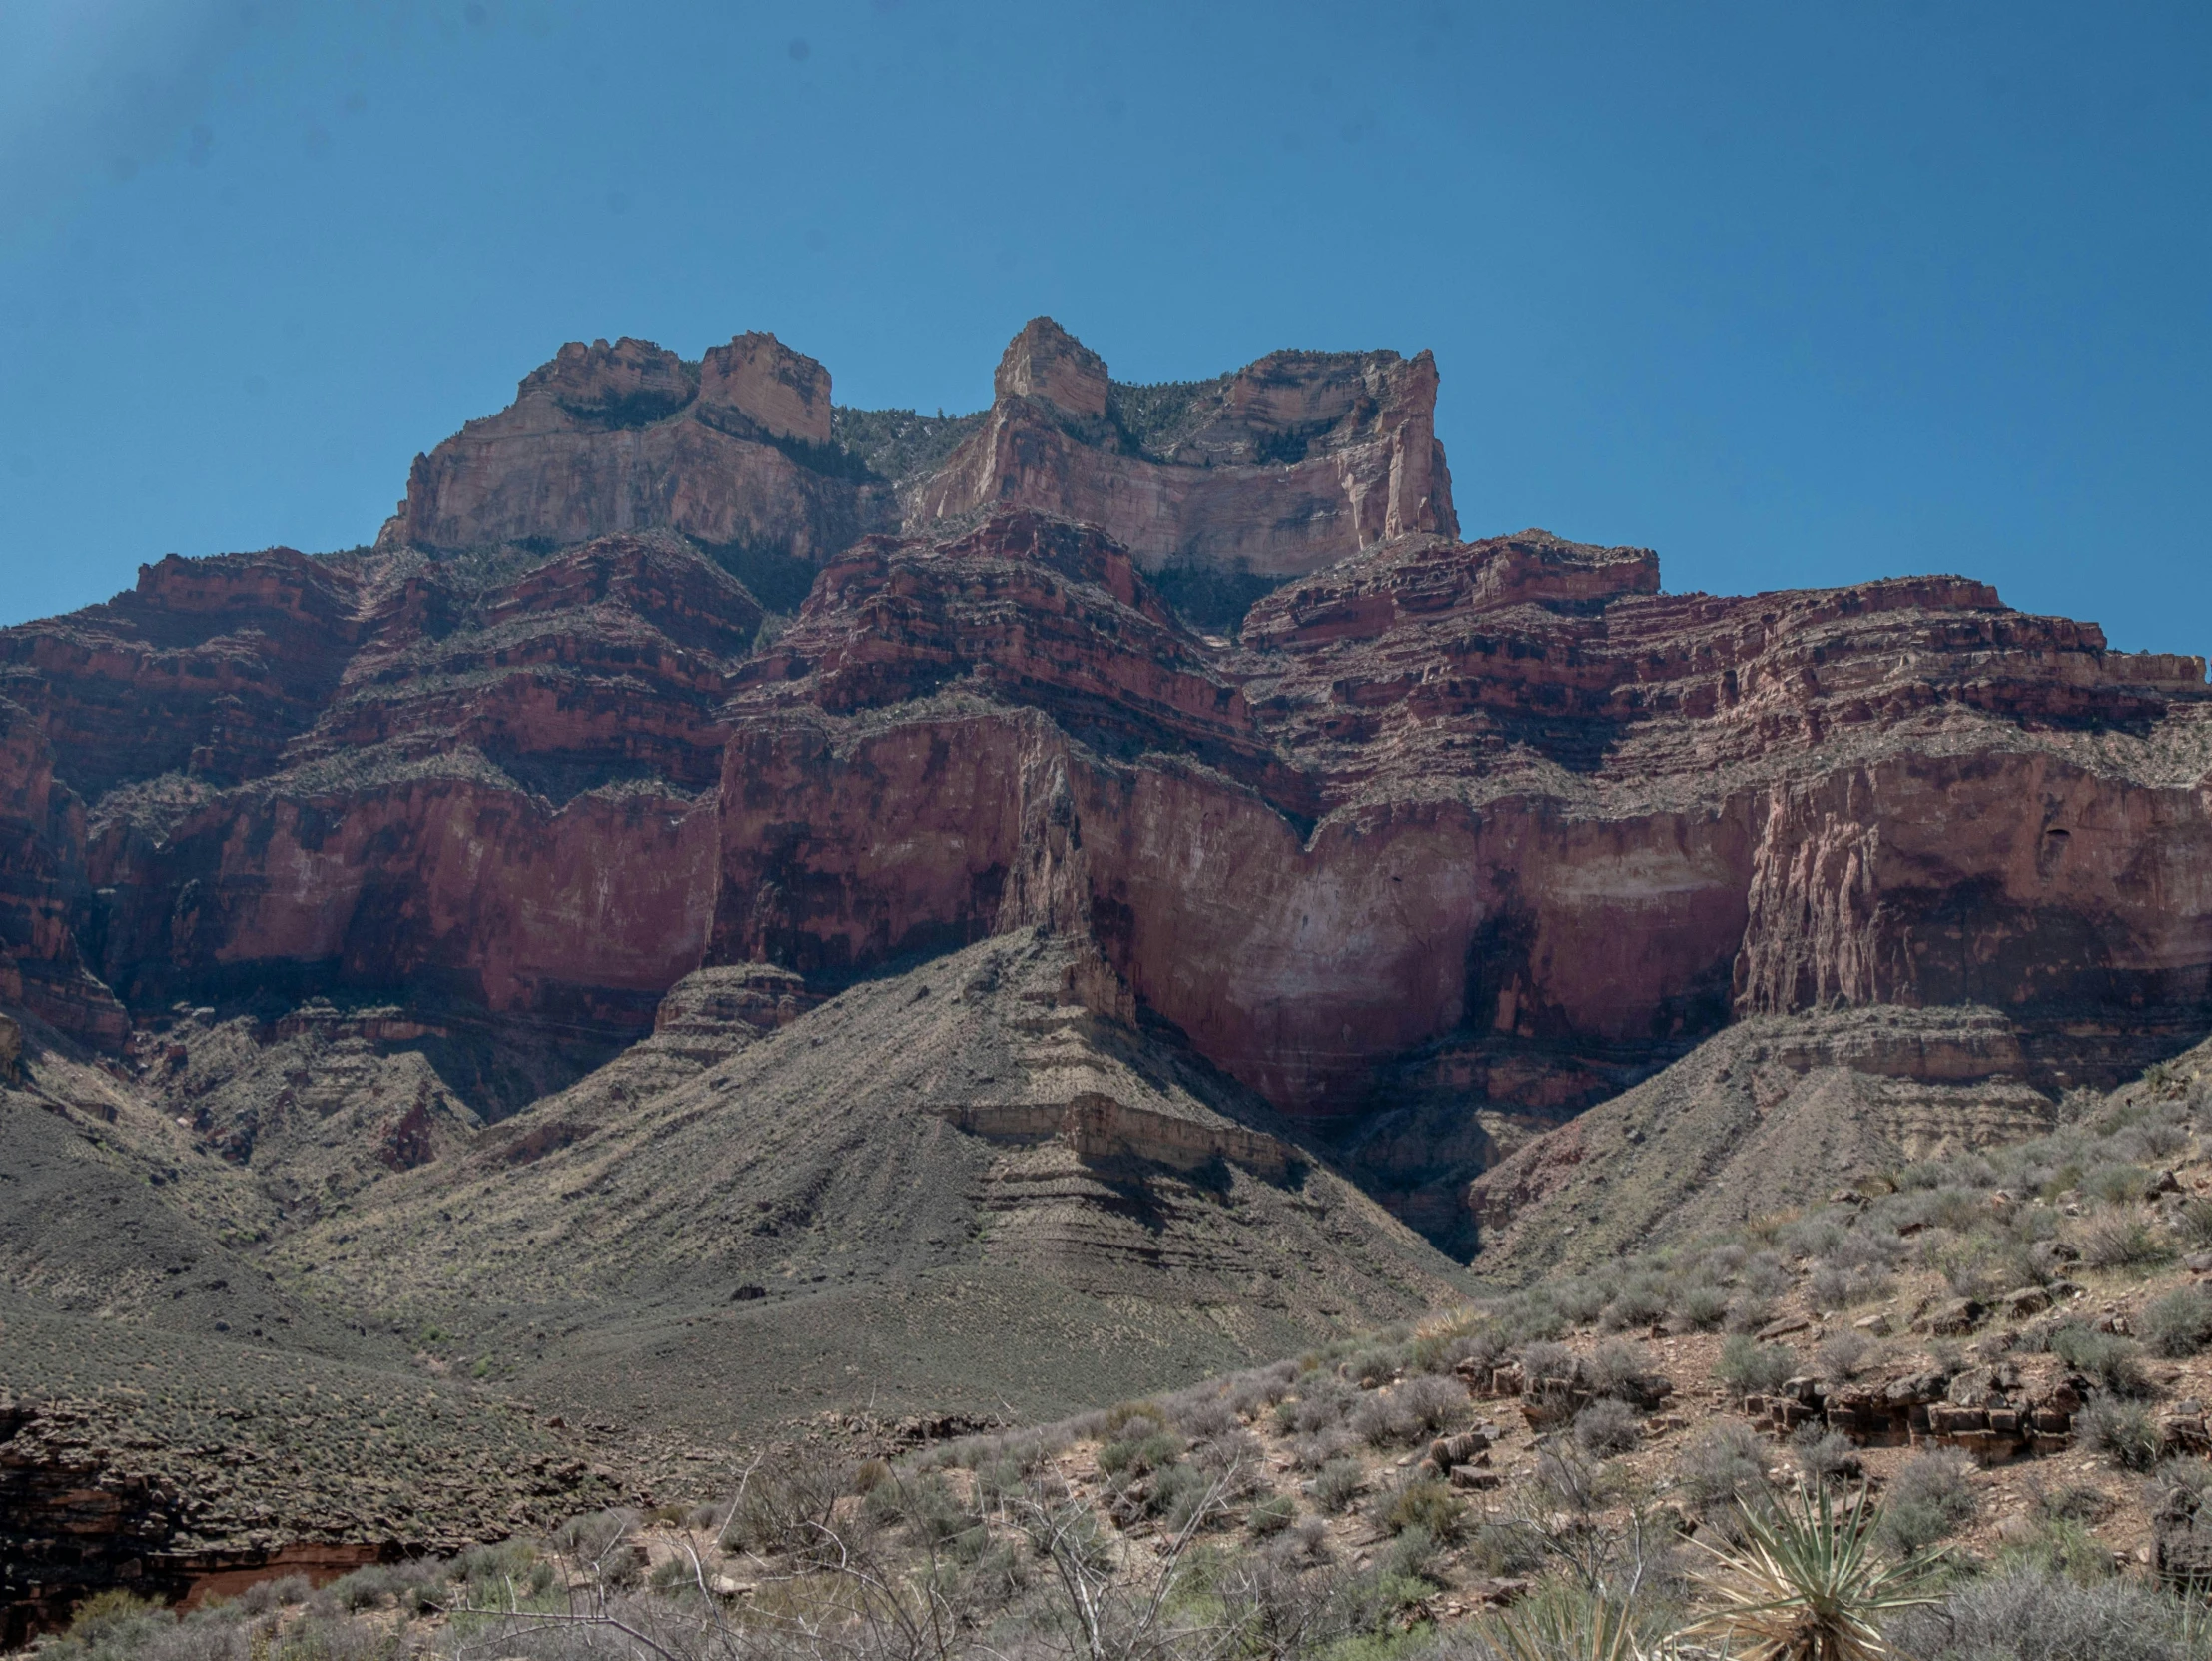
<point x="1302" y="1545"/>
<point x="1505" y="1549"/>
<point x="1764" y="1276"/>
<point x="1384" y="1421"/>
<point x="108" y="1616"/>
<point x="1581" y="1300"/>
<point x="1527" y="1317"/>
<point x="1253" y="1394"/>
<point x="997" y="1479"/>
<point x="1871" y="1246"/>
<point x="1122" y="1415"/>
<point x="1318" y="1407"/>
<point x="1725" y="1462"/>
<point x="1615" y="1366"/>
<point x="2122" y="1239"/>
<point x="2179" y="1323"/>
<point x="2032" y="1614"/>
<point x="1812" y="1236"/>
<point x="1148" y="1448"/>
<point x="1483" y="1349"/>
<point x="2106" y="1357"/>
<point x="1607" y="1427"/>
<point x="1239" y="1450"/>
<point x="1272" y="1515"/>
<point x="788" y="1509"/>
<point x="1723" y="1263"/>
<point x="1312" y="1453"/>
<point x="2078" y="1502"/>
<point x="2115" y="1183"/>
<point x="672" y="1574"/>
<point x="418" y="1587"/>
<point x="256" y="1600"/>
<point x="2163" y="1137"/>
<point x="1834" y="1286"/>
<point x="2123" y="1431"/>
<point x="1569" y="1479"/>
<point x="922" y="1503"/>
<point x="865" y="1476"/>
<point x="1747" y="1313"/>
<point x="1436" y="1405"/>
<point x="490" y="1569"/>
<point x="1982" y="1263"/>
<point x="1643" y="1301"/>
<point x="1701" y="1306"/>
<point x="1931" y="1498"/>
<point x="1749" y="1368"/>
<point x="1370" y="1368"/>
<point x="1841" y="1354"/>
<point x="1337" y="1484"/>
<point x="1180" y="1491"/>
<point x="2193" y="1219"/>
<point x="1823" y="1454"/>
<point x="2058" y="1545"/>
<point x="1212" y="1417"/>
<point x="364" y="1588"/>
<point x="1430" y="1506"/>
<point x="1547" y="1360"/>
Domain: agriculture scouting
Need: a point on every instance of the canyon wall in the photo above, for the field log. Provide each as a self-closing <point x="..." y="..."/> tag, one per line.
<point x="1452" y="826"/>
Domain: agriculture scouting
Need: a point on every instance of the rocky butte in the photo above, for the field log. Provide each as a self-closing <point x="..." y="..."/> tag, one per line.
<point x="1429" y="842"/>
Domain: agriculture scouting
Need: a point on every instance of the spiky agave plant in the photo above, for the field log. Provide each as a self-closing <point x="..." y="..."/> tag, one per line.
<point x="1807" y="1585"/>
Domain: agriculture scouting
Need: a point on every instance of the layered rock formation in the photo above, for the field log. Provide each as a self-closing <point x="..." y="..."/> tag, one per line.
<point x="436" y="807"/>
<point x="733" y="450"/>
<point x="1288" y="464"/>
<point x="1501" y="798"/>
<point x="1279" y="468"/>
<point x="1457" y="839"/>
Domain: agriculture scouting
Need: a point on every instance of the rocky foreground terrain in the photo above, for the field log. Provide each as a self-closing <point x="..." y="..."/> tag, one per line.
<point x="1580" y="1464"/>
<point x="739" y="918"/>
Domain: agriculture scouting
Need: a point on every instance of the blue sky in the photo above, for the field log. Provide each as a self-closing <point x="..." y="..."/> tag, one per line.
<point x="1797" y="295"/>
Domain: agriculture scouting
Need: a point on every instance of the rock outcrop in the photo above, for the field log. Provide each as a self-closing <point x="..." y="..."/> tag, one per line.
<point x="733" y="451"/>
<point x="1283" y="467"/>
<point x="1279" y="468"/>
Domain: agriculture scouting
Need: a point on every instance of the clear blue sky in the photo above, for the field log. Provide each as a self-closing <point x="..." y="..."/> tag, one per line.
<point x="1796" y="294"/>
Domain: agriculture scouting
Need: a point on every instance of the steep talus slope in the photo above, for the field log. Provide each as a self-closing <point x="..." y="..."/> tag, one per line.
<point x="1776" y="1111"/>
<point x="108" y="1209"/>
<point x="982" y="1155"/>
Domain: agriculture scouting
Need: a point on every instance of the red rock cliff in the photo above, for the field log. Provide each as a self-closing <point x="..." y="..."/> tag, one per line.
<point x="732" y="451"/>
<point x="1492" y="823"/>
<point x="1288" y="464"/>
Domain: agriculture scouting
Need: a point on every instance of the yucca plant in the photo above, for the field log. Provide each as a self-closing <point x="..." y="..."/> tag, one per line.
<point x="1568" y="1628"/>
<point x="1807" y="1585"/>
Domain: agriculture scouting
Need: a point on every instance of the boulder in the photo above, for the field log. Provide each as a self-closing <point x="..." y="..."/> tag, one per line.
<point x="1955" y="1316"/>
